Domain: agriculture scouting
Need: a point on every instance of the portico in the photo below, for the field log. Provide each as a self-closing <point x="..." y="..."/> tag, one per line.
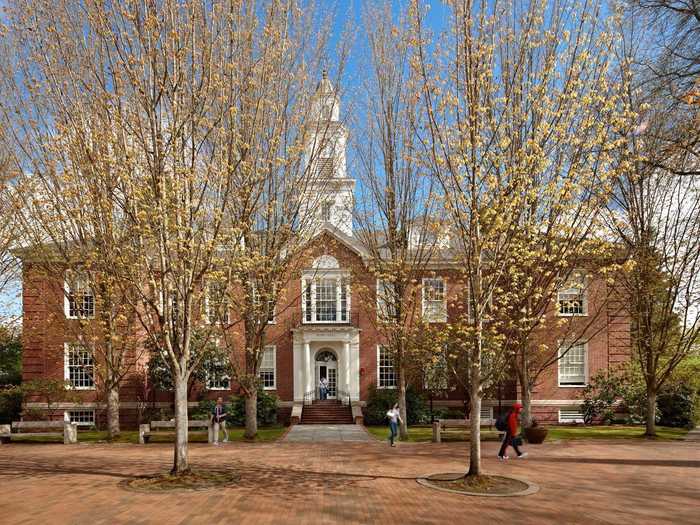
<point x="326" y="351"/>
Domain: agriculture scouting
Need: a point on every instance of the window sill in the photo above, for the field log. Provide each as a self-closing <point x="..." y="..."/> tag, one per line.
<point x="220" y="389"/>
<point x="71" y="387"/>
<point x="572" y="315"/>
<point x="583" y="385"/>
<point x="267" y="388"/>
<point x="87" y="318"/>
<point x="387" y="388"/>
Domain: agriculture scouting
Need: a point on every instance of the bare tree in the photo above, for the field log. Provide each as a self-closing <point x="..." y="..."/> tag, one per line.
<point x="508" y="94"/>
<point x="655" y="209"/>
<point x="397" y="217"/>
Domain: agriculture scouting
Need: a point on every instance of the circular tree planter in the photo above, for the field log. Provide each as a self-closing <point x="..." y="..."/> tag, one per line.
<point x="535" y="435"/>
<point x="489" y="486"/>
<point x="159" y="483"/>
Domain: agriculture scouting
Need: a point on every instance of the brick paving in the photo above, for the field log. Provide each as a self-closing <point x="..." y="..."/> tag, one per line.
<point x="317" y="483"/>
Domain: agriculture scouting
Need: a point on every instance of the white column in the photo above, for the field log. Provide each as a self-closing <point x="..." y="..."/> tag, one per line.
<point x="346" y="351"/>
<point x="308" y="381"/>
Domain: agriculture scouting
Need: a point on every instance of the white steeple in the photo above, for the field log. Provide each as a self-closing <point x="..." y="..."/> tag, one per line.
<point x="331" y="197"/>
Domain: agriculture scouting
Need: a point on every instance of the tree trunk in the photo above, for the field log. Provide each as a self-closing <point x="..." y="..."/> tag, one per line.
<point x="475" y="424"/>
<point x="526" y="393"/>
<point x="403" y="425"/>
<point x="113" y="411"/>
<point x="651" y="413"/>
<point x="251" y="414"/>
<point x="181" y="463"/>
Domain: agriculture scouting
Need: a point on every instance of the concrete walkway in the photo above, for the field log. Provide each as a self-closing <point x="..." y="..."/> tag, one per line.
<point x="693" y="435"/>
<point x="325" y="433"/>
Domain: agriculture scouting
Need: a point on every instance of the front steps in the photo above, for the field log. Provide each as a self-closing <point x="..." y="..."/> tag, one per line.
<point x="326" y="412"/>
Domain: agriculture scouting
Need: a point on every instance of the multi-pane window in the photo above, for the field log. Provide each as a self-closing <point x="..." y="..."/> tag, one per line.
<point x="82" y="418"/>
<point x="326" y="300"/>
<point x="572" y="365"/>
<point x="79" y="366"/>
<point x="386" y="374"/>
<point x="434" y="300"/>
<point x="570" y="415"/>
<point x="218" y="377"/>
<point x="571" y="297"/>
<point x="217" y="302"/>
<point x="268" y="367"/>
<point x="270" y="303"/>
<point x="79" y="300"/>
<point x="386" y="303"/>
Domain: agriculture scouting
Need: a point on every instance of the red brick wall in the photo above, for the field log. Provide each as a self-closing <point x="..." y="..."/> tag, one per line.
<point x="46" y="330"/>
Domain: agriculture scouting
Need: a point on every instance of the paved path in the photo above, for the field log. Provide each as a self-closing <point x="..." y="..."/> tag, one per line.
<point x="588" y="482"/>
<point x="325" y="433"/>
<point x="693" y="435"/>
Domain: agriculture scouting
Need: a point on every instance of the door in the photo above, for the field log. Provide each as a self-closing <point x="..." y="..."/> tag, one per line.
<point x="332" y="377"/>
<point x="328" y="370"/>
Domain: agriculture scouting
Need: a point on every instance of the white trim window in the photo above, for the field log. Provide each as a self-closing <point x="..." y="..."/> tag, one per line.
<point x="270" y="303"/>
<point x="570" y="415"/>
<point x="79" y="299"/>
<point x="434" y="300"/>
<point x="571" y="297"/>
<point x="386" y="372"/>
<point x="82" y="418"/>
<point x="216" y="302"/>
<point x="386" y="304"/>
<point x="573" y="365"/>
<point x="79" y="366"/>
<point x="268" y="368"/>
<point x="326" y="300"/>
<point x="218" y="377"/>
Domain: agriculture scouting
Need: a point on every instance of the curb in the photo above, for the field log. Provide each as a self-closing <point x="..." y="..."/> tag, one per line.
<point x="532" y="488"/>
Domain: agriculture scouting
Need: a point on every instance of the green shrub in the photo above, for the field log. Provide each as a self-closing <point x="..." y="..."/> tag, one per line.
<point x="380" y="400"/>
<point x="676" y="405"/>
<point x="235" y="408"/>
<point x="10" y="405"/>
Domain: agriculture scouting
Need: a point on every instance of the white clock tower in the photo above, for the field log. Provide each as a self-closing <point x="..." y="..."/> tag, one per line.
<point x="330" y="198"/>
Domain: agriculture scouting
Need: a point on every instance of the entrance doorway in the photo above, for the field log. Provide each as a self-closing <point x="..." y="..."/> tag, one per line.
<point x="327" y="367"/>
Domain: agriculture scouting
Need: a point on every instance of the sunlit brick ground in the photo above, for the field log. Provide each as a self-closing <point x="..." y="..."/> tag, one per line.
<point x="620" y="482"/>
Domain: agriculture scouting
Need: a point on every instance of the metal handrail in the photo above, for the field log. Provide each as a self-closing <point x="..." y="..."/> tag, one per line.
<point x="343" y="396"/>
<point x="309" y="397"/>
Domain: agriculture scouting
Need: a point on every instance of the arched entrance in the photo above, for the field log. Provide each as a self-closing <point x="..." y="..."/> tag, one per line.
<point x="326" y="367"/>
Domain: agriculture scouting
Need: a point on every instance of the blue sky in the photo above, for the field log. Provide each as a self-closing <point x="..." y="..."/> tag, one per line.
<point x="347" y="15"/>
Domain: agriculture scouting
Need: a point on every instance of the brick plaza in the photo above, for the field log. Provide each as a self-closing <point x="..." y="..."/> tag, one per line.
<point x="617" y="481"/>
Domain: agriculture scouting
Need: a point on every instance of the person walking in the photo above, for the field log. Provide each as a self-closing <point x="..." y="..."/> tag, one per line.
<point x="511" y="439"/>
<point x="394" y="416"/>
<point x="219" y="419"/>
<point x="323" y="388"/>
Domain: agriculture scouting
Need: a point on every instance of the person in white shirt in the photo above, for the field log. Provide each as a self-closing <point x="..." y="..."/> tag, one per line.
<point x="394" y="417"/>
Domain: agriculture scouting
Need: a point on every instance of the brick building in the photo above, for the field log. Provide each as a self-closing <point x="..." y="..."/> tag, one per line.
<point x="321" y="328"/>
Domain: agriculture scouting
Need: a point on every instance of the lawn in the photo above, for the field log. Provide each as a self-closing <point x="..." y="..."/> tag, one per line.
<point x="421" y="434"/>
<point x="265" y="434"/>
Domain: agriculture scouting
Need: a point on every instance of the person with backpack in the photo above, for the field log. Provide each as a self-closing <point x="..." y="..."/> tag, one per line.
<point x="508" y="423"/>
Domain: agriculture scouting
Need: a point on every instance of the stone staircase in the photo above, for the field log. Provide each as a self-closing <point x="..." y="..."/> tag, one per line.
<point x="326" y="412"/>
